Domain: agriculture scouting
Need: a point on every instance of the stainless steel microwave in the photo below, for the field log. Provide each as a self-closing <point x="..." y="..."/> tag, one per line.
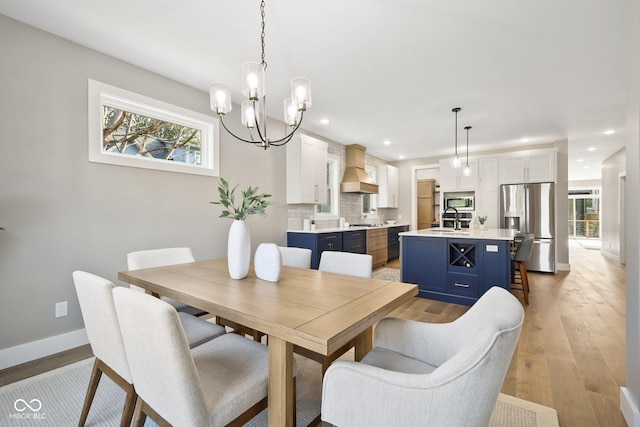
<point x="461" y="203"/>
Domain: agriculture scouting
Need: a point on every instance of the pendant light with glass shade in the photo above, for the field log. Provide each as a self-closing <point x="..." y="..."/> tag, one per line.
<point x="467" y="169"/>
<point x="254" y="110"/>
<point x="455" y="163"/>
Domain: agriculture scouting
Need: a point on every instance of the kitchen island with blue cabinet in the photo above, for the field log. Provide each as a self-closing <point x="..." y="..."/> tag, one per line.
<point x="456" y="266"/>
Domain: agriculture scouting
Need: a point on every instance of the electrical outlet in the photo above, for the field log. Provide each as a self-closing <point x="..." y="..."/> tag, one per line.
<point x="61" y="309"/>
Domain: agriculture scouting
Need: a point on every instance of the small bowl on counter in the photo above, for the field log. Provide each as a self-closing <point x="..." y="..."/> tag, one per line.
<point x="391" y="221"/>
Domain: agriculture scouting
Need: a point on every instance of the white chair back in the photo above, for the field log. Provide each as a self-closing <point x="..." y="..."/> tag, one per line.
<point x="101" y="321"/>
<point x="295" y="257"/>
<point x="423" y="371"/>
<point x="159" y="357"/>
<point x="346" y="263"/>
<point x="158" y="258"/>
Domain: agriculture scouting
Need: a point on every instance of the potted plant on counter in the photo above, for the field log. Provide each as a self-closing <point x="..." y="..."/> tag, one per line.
<point x="239" y="243"/>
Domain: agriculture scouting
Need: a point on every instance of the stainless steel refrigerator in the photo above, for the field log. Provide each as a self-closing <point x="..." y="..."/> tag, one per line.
<point x="530" y="209"/>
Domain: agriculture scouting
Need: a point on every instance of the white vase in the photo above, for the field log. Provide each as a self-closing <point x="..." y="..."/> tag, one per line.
<point x="268" y="262"/>
<point x="239" y="249"/>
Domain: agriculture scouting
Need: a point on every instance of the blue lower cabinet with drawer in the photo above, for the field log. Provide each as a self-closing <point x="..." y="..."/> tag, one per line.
<point x="354" y="242"/>
<point x="465" y="285"/>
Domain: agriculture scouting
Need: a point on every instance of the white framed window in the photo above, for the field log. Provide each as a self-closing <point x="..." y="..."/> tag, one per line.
<point x="129" y="129"/>
<point x="370" y="201"/>
<point x="331" y="210"/>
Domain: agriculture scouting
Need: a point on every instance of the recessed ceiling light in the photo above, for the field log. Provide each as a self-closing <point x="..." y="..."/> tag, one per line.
<point x="585" y="167"/>
<point x="609" y="132"/>
<point x="591" y="149"/>
<point x="401" y="156"/>
<point x="386" y="142"/>
<point x="325" y="121"/>
<point x="524" y="140"/>
<point x="580" y="160"/>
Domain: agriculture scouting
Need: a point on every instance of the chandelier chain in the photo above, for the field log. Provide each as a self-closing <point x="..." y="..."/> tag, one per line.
<point x="264" y="63"/>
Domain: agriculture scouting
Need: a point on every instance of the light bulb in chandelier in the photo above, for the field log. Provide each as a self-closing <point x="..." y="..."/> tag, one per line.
<point x="250" y="114"/>
<point x="220" y="98"/>
<point x="253" y="80"/>
<point x="290" y="112"/>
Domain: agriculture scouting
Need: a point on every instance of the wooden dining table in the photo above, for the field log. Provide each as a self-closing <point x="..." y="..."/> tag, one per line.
<point x="315" y="310"/>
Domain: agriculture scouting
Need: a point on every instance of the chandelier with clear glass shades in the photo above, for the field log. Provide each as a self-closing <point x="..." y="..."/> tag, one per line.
<point x="253" y="109"/>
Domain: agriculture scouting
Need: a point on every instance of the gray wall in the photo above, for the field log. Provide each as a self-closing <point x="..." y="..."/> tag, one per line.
<point x="609" y="231"/>
<point x="633" y="206"/>
<point x="62" y="213"/>
<point x="562" y="205"/>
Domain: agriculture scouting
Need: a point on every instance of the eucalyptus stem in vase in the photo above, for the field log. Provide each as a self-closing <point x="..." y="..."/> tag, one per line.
<point x="239" y="242"/>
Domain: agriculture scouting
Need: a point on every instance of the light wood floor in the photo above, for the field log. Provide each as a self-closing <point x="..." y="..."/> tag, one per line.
<point x="571" y="354"/>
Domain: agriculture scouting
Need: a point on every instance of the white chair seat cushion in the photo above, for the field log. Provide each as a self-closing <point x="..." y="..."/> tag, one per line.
<point x="392" y="361"/>
<point x="198" y="330"/>
<point x="234" y="375"/>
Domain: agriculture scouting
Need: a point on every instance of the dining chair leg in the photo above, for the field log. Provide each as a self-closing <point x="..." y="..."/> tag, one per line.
<point x="525" y="281"/>
<point x="139" y="417"/>
<point x="96" y="374"/>
<point x="129" y="406"/>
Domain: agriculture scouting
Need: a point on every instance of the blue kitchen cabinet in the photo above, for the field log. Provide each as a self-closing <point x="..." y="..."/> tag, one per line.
<point x="354" y="241"/>
<point x="317" y="242"/>
<point x="455" y="270"/>
<point x="496" y="264"/>
<point x="393" y="241"/>
<point x="419" y="257"/>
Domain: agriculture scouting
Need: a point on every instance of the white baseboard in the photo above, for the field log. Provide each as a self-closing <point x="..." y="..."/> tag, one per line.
<point x="611" y="255"/>
<point x="629" y="408"/>
<point x="563" y="267"/>
<point x="45" y="347"/>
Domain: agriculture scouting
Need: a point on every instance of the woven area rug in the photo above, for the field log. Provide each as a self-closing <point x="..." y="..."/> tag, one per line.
<point x="55" y="399"/>
<point x="392" y="274"/>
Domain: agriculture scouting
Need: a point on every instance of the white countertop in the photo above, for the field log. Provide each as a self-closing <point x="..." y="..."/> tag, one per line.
<point x="338" y="229"/>
<point x="488" y="234"/>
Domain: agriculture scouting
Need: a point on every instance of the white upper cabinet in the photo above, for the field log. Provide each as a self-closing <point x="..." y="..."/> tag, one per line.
<point x="455" y="179"/>
<point x="534" y="166"/>
<point x="306" y="170"/>
<point x="488" y="177"/>
<point x="387" y="186"/>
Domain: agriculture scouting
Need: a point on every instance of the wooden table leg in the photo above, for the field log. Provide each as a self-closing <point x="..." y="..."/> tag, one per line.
<point x="281" y="391"/>
<point x="364" y="344"/>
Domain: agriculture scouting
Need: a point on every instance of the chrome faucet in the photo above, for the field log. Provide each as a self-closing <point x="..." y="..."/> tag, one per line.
<point x="457" y="219"/>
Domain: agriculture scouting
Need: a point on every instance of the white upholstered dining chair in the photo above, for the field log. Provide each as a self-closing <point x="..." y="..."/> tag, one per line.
<point x="158" y="258"/>
<point x="346" y="263"/>
<point x="221" y="382"/>
<point x="349" y="264"/>
<point x="101" y="324"/>
<point x="422" y="374"/>
<point x="295" y="257"/>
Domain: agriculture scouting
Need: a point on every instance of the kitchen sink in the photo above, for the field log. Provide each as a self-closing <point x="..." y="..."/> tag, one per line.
<point x="449" y="231"/>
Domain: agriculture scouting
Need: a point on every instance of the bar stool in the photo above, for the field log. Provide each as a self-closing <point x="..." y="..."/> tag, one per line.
<point x="520" y="258"/>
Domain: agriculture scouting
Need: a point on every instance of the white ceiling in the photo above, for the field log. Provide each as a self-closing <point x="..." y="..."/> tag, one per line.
<point x="545" y="70"/>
